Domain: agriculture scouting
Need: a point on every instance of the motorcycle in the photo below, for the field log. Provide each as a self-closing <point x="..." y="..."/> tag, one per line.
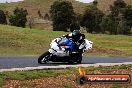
<point x="65" y="50"/>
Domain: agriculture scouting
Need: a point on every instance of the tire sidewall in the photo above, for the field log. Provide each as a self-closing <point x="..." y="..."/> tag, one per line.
<point x="42" y="56"/>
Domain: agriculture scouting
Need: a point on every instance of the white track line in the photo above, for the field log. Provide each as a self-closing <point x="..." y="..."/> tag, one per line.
<point x="63" y="66"/>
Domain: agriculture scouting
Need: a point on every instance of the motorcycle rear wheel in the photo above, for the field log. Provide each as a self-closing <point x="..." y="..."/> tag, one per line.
<point x="77" y="59"/>
<point x="44" y="58"/>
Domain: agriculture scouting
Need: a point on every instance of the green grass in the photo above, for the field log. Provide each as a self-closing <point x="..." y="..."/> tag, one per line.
<point x="122" y="67"/>
<point x="26" y="75"/>
<point x="19" y="41"/>
<point x="108" y="69"/>
<point x="116" y="86"/>
<point x="2" y="81"/>
<point x="116" y="42"/>
<point x="25" y="41"/>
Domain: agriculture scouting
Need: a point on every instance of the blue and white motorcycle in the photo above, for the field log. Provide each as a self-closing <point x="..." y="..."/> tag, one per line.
<point x="65" y="50"/>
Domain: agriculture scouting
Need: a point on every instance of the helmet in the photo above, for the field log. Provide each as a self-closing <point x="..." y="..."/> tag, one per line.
<point x="76" y="32"/>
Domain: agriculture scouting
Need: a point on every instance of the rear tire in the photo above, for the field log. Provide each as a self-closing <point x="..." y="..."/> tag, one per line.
<point x="79" y="59"/>
<point x="71" y="61"/>
<point x="44" y="58"/>
<point x="75" y="59"/>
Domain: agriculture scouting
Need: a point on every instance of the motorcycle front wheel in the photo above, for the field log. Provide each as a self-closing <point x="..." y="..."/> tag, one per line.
<point x="44" y="58"/>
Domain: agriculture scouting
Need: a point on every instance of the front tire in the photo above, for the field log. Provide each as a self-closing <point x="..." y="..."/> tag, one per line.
<point x="44" y="58"/>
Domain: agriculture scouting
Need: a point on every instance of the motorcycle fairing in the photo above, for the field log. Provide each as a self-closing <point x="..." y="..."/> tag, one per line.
<point x="56" y="50"/>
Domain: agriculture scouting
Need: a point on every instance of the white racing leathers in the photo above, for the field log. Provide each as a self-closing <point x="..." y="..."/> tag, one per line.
<point x="55" y="50"/>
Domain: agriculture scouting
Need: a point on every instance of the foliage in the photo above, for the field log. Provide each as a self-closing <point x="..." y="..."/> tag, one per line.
<point x="128" y="15"/>
<point x="39" y="13"/>
<point x="91" y="19"/>
<point x="62" y="14"/>
<point x="23" y="41"/>
<point x="46" y="16"/>
<point x="74" y="26"/>
<point x="119" y="3"/>
<point x="95" y="2"/>
<point x="2" y="17"/>
<point x="108" y="24"/>
<point x="115" y="22"/>
<point x="19" y="18"/>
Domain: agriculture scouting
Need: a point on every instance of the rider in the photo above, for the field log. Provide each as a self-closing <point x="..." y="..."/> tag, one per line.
<point x="76" y="36"/>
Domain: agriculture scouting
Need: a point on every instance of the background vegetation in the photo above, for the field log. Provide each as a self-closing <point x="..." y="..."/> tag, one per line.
<point x="19" y="18"/>
<point x="25" y="41"/>
<point x="118" y="19"/>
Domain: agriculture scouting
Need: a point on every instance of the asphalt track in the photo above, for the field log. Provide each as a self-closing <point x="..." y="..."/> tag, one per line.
<point x="7" y="62"/>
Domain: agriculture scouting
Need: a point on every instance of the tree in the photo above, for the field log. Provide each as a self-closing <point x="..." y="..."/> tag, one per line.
<point x="46" y="16"/>
<point x="122" y="27"/>
<point x="105" y="24"/>
<point x="92" y="18"/>
<point x="39" y="13"/>
<point x="119" y="4"/>
<point x="19" y="18"/>
<point x="115" y="21"/>
<point x="74" y="26"/>
<point x="62" y="14"/>
<point x="117" y="7"/>
<point x="108" y="24"/>
<point x="2" y="17"/>
<point x="95" y="2"/>
<point x="119" y="14"/>
<point x="31" y="22"/>
<point x="128" y="15"/>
